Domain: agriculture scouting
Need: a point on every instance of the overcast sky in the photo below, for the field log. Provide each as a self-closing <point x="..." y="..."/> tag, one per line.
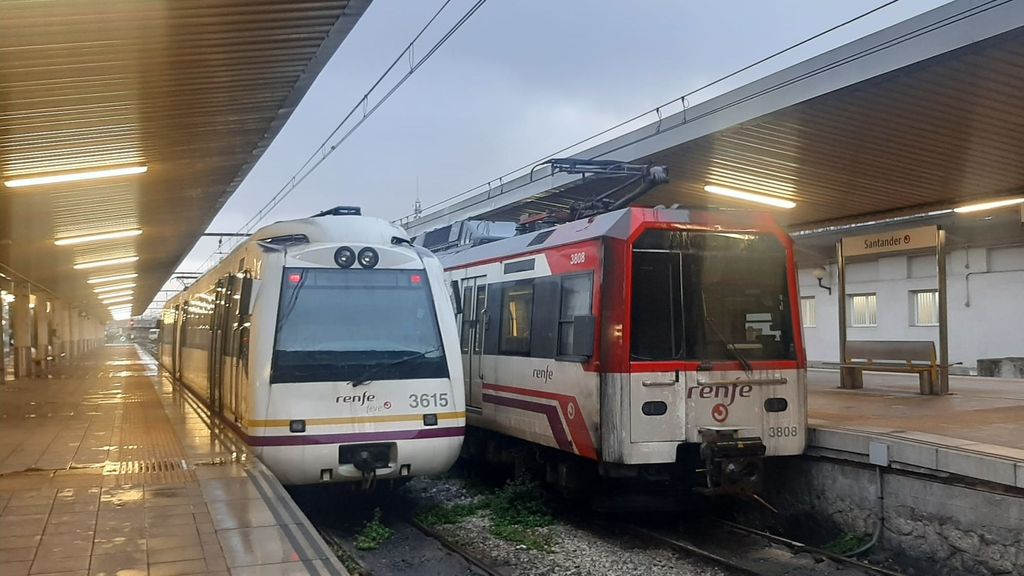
<point x="519" y="81"/>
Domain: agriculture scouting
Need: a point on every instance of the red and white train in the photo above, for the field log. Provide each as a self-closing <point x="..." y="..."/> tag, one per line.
<point x="647" y="343"/>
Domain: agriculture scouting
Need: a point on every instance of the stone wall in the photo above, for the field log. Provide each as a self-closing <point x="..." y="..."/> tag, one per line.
<point x="931" y="526"/>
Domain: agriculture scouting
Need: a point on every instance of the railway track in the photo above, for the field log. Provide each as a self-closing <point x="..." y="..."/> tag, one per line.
<point x="749" y="551"/>
<point x="414" y="549"/>
<point x="466" y="554"/>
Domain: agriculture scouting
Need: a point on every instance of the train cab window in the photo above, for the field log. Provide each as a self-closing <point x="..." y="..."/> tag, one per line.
<point x="343" y="325"/>
<point x="577" y="292"/>
<point x="710" y="296"/>
<point x="516" y="318"/>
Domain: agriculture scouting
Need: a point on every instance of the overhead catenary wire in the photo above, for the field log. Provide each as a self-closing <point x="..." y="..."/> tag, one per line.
<point x="656" y="110"/>
<point x="329" y="145"/>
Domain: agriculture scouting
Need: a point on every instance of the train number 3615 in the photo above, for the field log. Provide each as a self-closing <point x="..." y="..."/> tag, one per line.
<point x="428" y="400"/>
<point x="783" y="431"/>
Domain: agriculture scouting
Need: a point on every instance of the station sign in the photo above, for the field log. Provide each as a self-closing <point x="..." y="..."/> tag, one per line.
<point x="893" y="241"/>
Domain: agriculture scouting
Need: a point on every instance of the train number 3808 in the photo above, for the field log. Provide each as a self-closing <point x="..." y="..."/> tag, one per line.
<point x="428" y="400"/>
<point x="783" y="431"/>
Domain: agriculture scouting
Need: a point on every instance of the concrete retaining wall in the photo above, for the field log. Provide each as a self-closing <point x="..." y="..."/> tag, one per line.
<point x="931" y="526"/>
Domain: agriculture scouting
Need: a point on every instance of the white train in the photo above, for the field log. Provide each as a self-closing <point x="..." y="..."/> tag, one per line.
<point x="329" y="345"/>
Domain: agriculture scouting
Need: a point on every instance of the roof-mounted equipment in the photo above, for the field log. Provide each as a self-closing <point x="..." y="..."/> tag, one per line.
<point x="340" y="211"/>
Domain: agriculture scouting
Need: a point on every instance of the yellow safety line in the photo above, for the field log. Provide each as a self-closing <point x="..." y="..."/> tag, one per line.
<point x="353" y="420"/>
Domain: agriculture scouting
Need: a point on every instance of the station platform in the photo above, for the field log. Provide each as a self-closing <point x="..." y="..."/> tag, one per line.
<point x="975" y="432"/>
<point x="107" y="468"/>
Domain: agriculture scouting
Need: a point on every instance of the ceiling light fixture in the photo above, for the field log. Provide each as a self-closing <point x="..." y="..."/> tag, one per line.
<point x="988" y="205"/>
<point x="116" y="294"/>
<point x="750" y="196"/>
<point x="118" y="299"/>
<point x="114" y="287"/>
<point x="97" y="237"/>
<point x="104" y="279"/>
<point x="110" y="262"/>
<point x="75" y="176"/>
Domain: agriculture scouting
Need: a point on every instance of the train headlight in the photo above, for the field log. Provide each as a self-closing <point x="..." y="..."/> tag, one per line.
<point x="368" y="258"/>
<point x="344" y="257"/>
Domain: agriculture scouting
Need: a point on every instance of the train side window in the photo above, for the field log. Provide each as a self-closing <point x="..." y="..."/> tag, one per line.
<point x="478" y="316"/>
<point x="516" y="318"/>
<point x="577" y="292"/>
<point x="467" y="317"/>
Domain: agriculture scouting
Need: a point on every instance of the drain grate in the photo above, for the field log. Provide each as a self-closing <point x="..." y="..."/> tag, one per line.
<point x="144" y="466"/>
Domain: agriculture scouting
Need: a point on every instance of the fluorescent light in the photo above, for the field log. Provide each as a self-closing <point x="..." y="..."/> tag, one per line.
<point x="114" y="287"/>
<point x="750" y="196"/>
<point x="988" y="205"/>
<point x="103" y="279"/>
<point x="97" y="237"/>
<point x="116" y="294"/>
<point x="117" y="299"/>
<point x="75" y="176"/>
<point x="110" y="262"/>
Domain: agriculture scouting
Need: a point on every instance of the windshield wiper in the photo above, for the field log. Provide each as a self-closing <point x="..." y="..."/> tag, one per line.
<point x="747" y="367"/>
<point x="367" y="376"/>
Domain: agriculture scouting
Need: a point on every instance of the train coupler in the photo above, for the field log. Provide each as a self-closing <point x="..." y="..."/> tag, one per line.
<point x="733" y="465"/>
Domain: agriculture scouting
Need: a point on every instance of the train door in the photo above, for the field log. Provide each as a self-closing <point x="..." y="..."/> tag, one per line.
<point x="240" y="348"/>
<point x="474" y="312"/>
<point x="176" y="341"/>
<point x="215" y="366"/>
<point x="229" y="328"/>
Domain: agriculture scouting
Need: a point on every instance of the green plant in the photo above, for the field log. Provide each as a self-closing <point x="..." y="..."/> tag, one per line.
<point x="846" y="543"/>
<point x="518" y="514"/>
<point x="449" y="514"/>
<point x="373" y="534"/>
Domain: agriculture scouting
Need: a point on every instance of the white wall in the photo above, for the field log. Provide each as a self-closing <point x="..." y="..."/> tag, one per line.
<point x="990" y="324"/>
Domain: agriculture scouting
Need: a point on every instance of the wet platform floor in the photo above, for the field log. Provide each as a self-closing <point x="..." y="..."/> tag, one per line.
<point x="106" y="469"/>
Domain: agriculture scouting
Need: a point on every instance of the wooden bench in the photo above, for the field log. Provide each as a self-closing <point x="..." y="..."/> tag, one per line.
<point x="906" y="356"/>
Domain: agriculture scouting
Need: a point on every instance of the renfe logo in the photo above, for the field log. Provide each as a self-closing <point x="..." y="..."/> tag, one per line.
<point x="544" y="374"/>
<point x="360" y="399"/>
<point x="725" y="392"/>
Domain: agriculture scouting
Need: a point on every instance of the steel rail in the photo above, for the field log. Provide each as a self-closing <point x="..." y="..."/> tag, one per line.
<point x="457" y="549"/>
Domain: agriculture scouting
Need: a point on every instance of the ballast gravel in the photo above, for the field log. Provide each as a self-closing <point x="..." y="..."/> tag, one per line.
<point x="575" y="551"/>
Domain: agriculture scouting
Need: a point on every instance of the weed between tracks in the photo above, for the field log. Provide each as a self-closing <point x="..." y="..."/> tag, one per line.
<point x="516" y="513"/>
<point x="373" y="534"/>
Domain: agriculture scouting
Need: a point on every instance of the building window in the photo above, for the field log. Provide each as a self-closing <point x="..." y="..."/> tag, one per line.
<point x="863" y="310"/>
<point x="925" y="307"/>
<point x="516" y="316"/>
<point x="576" y="293"/>
<point x="809" y="311"/>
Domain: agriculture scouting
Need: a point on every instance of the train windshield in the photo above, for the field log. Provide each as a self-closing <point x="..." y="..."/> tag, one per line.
<point x="356" y="324"/>
<point x="703" y="296"/>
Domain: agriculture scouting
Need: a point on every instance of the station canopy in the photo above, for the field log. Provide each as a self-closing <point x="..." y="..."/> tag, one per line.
<point x="190" y="92"/>
<point x="912" y="120"/>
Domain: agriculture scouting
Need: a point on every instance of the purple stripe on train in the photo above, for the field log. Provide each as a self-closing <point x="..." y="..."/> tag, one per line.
<point x="384" y="436"/>
<point x="549" y="410"/>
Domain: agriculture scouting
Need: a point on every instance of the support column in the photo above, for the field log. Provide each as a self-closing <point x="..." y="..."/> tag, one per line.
<point x="43" y="310"/>
<point x="21" y="328"/>
<point x="942" y="386"/>
<point x="74" y="332"/>
<point x="65" y="331"/>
